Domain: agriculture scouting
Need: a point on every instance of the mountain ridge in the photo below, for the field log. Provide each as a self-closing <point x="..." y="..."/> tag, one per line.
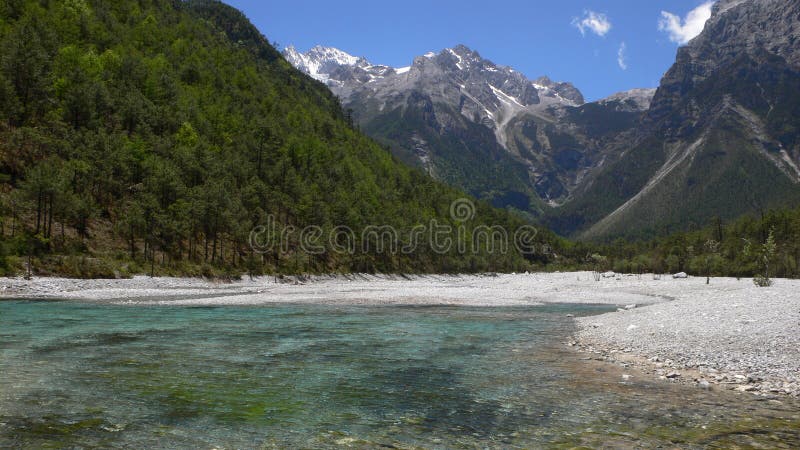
<point x="542" y="145"/>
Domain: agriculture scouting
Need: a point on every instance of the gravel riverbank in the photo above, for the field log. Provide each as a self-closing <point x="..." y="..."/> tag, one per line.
<point x="466" y="290"/>
<point x="729" y="334"/>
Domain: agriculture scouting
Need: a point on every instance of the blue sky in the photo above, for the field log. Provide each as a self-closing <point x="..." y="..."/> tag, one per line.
<point x="567" y="40"/>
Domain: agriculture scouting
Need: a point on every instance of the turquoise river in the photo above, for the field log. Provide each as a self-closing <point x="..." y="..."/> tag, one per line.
<point x="87" y="375"/>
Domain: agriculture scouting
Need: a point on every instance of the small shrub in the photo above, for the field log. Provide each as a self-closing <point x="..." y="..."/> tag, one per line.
<point x="762" y="281"/>
<point x="81" y="267"/>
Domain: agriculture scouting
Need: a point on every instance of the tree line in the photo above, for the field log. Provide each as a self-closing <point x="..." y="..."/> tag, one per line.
<point x="765" y="245"/>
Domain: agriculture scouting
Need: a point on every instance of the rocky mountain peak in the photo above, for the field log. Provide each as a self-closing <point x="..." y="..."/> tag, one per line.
<point x="320" y="62"/>
<point x="737" y="29"/>
<point x="341" y="71"/>
<point x="461" y="56"/>
<point x="463" y="50"/>
<point x="722" y="6"/>
<point x="564" y="91"/>
<point x="634" y="100"/>
<point x="459" y="68"/>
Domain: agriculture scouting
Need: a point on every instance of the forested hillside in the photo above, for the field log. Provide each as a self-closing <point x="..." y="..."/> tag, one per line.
<point x="154" y="135"/>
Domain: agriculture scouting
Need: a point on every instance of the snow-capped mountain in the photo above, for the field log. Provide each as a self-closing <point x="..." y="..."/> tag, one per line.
<point x="484" y="127"/>
<point x="495" y="91"/>
<point x="335" y="67"/>
<point x="319" y="61"/>
<point x="485" y="93"/>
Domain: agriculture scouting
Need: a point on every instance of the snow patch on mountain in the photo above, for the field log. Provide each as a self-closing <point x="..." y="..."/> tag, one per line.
<point x="319" y="61"/>
<point x="460" y="60"/>
<point x="505" y="98"/>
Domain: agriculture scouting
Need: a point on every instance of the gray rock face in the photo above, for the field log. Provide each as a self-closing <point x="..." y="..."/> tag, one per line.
<point x="721" y="137"/>
<point x="737" y="28"/>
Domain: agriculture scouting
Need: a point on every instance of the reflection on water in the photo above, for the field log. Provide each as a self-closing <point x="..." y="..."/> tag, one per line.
<point x="323" y="376"/>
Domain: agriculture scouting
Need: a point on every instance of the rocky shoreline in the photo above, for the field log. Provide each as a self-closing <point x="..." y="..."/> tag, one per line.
<point x="701" y="377"/>
<point x="729" y="335"/>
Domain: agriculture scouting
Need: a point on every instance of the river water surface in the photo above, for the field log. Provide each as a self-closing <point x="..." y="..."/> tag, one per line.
<point x="85" y="375"/>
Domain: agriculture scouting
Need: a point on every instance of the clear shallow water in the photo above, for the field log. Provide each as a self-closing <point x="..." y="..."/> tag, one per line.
<point x="84" y="375"/>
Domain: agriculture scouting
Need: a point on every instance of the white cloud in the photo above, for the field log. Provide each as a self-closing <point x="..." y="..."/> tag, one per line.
<point x="597" y="23"/>
<point x="684" y="30"/>
<point x="621" y="56"/>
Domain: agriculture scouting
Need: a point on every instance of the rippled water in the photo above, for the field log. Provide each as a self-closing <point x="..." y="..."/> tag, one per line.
<point x="83" y="375"/>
